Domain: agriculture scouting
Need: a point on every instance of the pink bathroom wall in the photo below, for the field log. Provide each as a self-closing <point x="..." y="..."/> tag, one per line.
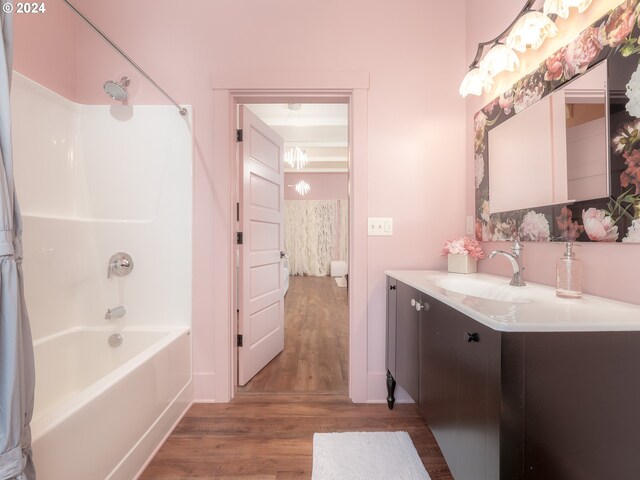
<point x="45" y="48"/>
<point x="608" y="268"/>
<point x="412" y="49"/>
<point x="324" y="186"/>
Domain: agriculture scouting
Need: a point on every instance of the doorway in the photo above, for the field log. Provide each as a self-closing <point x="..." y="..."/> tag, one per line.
<point x="315" y="357"/>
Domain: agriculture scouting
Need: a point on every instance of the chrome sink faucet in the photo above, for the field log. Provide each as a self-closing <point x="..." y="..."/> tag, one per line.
<point x="118" y="311"/>
<point x="515" y="257"/>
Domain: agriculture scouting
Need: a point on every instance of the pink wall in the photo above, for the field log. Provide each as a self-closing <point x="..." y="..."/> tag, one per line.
<point x="412" y="50"/>
<point x="324" y="186"/>
<point x="45" y="48"/>
<point x="607" y="270"/>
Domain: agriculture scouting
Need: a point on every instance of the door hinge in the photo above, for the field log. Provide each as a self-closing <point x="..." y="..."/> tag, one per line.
<point x="238" y="211"/>
<point x="239" y="135"/>
<point x="239" y="340"/>
<point x="392" y="287"/>
<point x="239" y="238"/>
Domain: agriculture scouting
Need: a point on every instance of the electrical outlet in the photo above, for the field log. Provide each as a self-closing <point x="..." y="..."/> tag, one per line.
<point x="470" y="225"/>
<point x="380" y="227"/>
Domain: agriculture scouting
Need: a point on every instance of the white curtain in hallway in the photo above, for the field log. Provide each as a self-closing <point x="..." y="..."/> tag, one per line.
<point x="315" y="233"/>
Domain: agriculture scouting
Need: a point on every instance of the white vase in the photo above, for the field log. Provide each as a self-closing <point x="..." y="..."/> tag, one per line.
<point x="462" y="263"/>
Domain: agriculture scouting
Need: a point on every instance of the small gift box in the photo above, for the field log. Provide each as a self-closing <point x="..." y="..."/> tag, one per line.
<point x="458" y="263"/>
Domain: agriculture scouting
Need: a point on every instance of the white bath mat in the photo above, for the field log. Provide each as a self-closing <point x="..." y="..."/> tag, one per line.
<point x="366" y="456"/>
<point x="341" y="281"/>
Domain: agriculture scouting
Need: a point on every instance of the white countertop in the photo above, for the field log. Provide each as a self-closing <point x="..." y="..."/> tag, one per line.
<point x="532" y="308"/>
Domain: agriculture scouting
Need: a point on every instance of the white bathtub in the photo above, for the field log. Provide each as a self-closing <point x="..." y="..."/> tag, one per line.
<point x="101" y="412"/>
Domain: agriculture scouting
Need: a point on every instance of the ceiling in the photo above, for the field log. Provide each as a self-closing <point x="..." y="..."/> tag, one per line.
<point x="320" y="129"/>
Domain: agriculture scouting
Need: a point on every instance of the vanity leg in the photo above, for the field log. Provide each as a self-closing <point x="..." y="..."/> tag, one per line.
<point x="391" y="388"/>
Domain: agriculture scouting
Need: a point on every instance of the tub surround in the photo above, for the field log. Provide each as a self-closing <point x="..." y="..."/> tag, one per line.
<point x="94" y="180"/>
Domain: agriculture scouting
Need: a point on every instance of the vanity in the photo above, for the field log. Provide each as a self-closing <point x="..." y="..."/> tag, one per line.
<point x="514" y="382"/>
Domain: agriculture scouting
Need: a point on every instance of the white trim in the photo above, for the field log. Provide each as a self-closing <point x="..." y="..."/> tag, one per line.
<point x="283" y="87"/>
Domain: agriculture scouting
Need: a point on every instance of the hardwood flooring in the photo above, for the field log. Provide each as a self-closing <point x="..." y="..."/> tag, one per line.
<point x="266" y="432"/>
<point x="270" y="437"/>
<point x="316" y="342"/>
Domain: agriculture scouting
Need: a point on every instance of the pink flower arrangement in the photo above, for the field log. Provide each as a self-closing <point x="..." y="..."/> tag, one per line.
<point x="599" y="226"/>
<point x="463" y="246"/>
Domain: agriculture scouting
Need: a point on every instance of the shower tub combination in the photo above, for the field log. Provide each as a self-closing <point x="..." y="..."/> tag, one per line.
<point x="102" y="411"/>
<point x="103" y="407"/>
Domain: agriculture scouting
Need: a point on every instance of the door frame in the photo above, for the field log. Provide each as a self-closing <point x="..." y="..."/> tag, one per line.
<point x="291" y="87"/>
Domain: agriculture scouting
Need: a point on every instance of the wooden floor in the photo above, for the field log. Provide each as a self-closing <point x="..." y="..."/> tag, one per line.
<point x="316" y="342"/>
<point x="261" y="437"/>
<point x="266" y="432"/>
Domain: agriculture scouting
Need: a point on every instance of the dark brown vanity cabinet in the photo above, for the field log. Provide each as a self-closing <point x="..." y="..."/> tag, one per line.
<point x="450" y="365"/>
<point x="518" y="405"/>
<point x="460" y="372"/>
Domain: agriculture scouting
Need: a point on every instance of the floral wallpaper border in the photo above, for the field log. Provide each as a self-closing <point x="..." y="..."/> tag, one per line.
<point x="616" y="37"/>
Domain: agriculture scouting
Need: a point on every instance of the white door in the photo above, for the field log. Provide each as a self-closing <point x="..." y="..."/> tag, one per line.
<point x="261" y="302"/>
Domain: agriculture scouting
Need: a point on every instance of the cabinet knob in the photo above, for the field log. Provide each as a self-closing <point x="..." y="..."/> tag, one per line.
<point x="424" y="306"/>
<point x="471" y="337"/>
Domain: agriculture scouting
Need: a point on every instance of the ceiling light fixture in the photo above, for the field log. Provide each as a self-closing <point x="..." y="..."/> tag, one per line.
<point x="296" y="158"/>
<point x="302" y="187"/>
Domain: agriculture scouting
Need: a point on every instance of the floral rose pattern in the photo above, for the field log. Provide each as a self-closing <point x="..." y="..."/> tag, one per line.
<point x="599" y="226"/>
<point x="534" y="228"/>
<point x="613" y="36"/>
<point x="569" y="230"/>
<point x="631" y="176"/>
<point x="620" y="23"/>
<point x="633" y="235"/>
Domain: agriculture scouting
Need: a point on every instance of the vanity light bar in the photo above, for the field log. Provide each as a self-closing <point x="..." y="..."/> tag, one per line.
<point x="529" y="29"/>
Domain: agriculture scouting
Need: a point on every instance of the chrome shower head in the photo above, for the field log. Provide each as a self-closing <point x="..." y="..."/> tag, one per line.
<point x="117" y="90"/>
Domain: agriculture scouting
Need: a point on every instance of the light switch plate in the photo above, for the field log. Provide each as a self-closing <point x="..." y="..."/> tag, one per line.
<point x="380" y="226"/>
<point x="470" y="225"/>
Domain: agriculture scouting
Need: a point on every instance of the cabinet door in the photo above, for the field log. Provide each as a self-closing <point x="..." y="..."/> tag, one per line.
<point x="476" y="345"/>
<point x="407" y="339"/>
<point x="438" y="374"/>
<point x="582" y="405"/>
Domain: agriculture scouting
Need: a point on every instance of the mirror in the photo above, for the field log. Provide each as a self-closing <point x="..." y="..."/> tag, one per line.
<point x="559" y="143"/>
<point x="571" y="168"/>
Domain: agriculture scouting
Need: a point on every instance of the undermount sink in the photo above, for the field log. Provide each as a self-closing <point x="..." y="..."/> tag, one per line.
<point x="498" y="290"/>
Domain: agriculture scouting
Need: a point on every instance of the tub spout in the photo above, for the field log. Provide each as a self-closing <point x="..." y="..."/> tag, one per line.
<point x="118" y="311"/>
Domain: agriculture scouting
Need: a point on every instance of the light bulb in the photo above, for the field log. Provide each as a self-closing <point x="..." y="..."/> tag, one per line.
<point x="530" y="31"/>
<point x="474" y="82"/>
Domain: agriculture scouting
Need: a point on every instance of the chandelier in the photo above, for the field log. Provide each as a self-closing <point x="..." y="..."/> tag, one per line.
<point x="302" y="187"/>
<point x="296" y="158"/>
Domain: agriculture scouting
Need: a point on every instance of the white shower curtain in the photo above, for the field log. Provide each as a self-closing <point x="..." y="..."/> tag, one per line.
<point x="16" y="348"/>
<point x="315" y="233"/>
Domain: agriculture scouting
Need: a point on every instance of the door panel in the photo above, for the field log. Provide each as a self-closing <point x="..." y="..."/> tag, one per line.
<point x="261" y="299"/>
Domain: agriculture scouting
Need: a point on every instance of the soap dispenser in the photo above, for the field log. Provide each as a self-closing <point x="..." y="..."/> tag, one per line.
<point x="569" y="274"/>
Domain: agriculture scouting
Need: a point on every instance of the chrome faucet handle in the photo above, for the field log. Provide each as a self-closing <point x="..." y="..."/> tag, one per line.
<point x="120" y="264"/>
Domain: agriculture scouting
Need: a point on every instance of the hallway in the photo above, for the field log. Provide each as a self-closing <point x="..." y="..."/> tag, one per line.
<point x="316" y="345"/>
